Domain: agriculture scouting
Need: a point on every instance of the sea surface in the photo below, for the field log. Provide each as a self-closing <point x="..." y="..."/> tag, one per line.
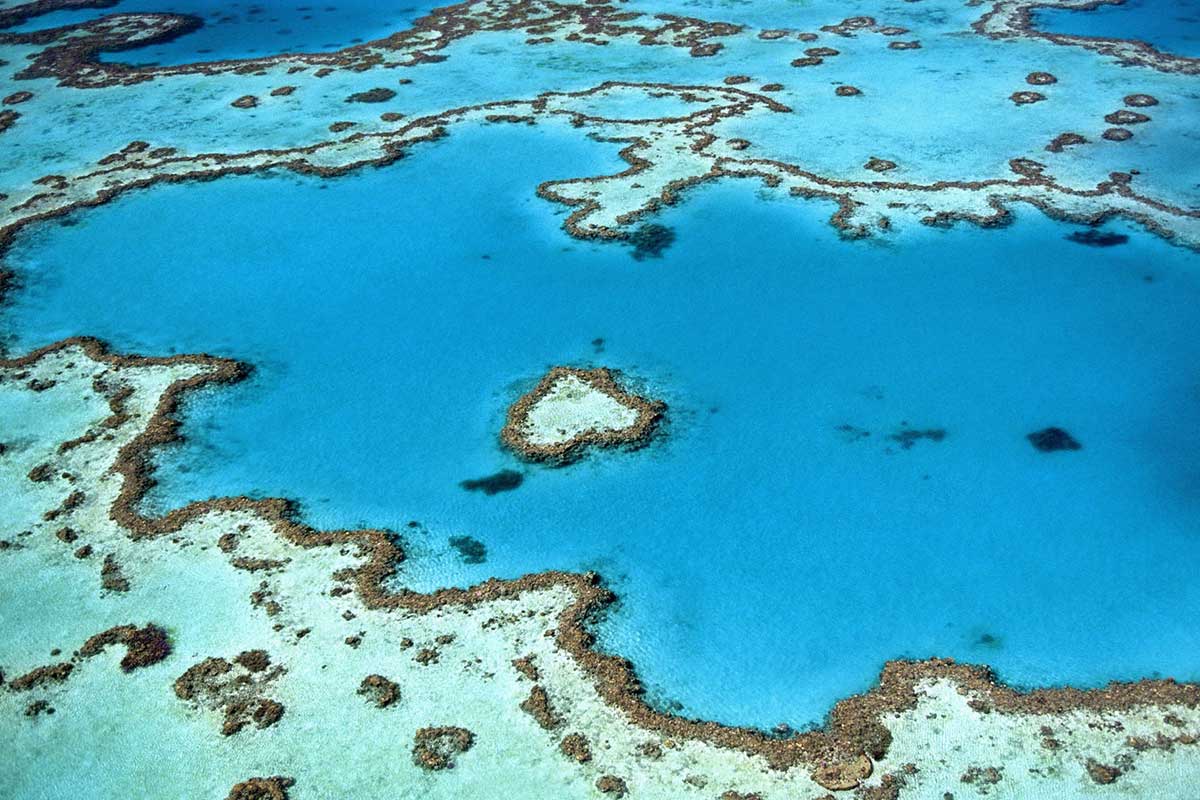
<point x="1172" y="26"/>
<point x="251" y="29"/>
<point x="844" y="475"/>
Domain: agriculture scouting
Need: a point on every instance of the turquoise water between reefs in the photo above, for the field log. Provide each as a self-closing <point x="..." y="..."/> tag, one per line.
<point x="1172" y="26"/>
<point x="785" y="536"/>
<point x="250" y="29"/>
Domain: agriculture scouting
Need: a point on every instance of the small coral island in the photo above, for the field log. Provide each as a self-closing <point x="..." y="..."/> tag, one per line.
<point x="571" y="409"/>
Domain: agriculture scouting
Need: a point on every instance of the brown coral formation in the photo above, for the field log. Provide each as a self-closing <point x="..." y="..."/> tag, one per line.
<point x="273" y="788"/>
<point x="245" y="101"/>
<point x="879" y="164"/>
<point x="17" y="98"/>
<point x="379" y="690"/>
<point x="8" y="118"/>
<point x="1140" y="100"/>
<point x="847" y="91"/>
<point x="236" y="692"/>
<point x="1040" y="79"/>
<point x="575" y="746"/>
<point x="841" y="775"/>
<point x="143" y="646"/>
<point x="913" y="45"/>
<point x="1065" y="140"/>
<point x="611" y="784"/>
<point x="537" y="705"/>
<point x="649" y="412"/>
<point x="282" y="91"/>
<point x="1125" y="117"/>
<point x="1102" y="773"/>
<point x="436" y="748"/>
<point x="111" y="577"/>
<point x="1117" y="134"/>
<point x="1024" y="98"/>
<point x="379" y="94"/>
<point x="42" y="676"/>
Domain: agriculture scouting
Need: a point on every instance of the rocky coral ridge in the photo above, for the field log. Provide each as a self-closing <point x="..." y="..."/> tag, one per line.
<point x="504" y="638"/>
<point x="571" y="409"/>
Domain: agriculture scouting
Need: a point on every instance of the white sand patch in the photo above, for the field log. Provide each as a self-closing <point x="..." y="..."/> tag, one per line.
<point x="572" y="407"/>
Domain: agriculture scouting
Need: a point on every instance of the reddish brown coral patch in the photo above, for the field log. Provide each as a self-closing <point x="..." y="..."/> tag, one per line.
<point x="282" y="91"/>
<point x="1065" y="140"/>
<point x="738" y="144"/>
<point x="8" y="118"/>
<point x="235" y="691"/>
<point x="41" y="676"/>
<point x="1103" y="774"/>
<point x="1117" y="134"/>
<point x="435" y="748"/>
<point x="846" y="90"/>
<point x="879" y="164"/>
<point x="611" y="784"/>
<point x="379" y="690"/>
<point x="842" y="775"/>
<point x="734" y="80"/>
<point x="16" y="98"/>
<point x="1141" y="100"/>
<point x="1126" y="117"/>
<point x="379" y="94"/>
<point x="576" y="746"/>
<point x="1040" y="79"/>
<point x="1024" y="98"/>
<point x="273" y="788"/>
<point x="338" y="127"/>
<point x="143" y="646"/>
<point x="807" y="61"/>
<point x="771" y="87"/>
<point x="245" y="101"/>
<point x="537" y="705"/>
<point x="913" y="45"/>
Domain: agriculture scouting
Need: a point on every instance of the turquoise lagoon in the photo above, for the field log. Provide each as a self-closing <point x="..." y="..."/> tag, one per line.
<point x="779" y="541"/>
<point x="1172" y="26"/>
<point x="250" y="29"/>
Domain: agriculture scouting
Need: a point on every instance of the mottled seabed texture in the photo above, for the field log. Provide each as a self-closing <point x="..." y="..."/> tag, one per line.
<point x="647" y="399"/>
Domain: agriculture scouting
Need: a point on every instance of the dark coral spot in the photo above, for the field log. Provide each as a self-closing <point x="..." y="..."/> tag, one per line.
<point x="1096" y="238"/>
<point x="650" y="240"/>
<point x="1048" y="440"/>
<point x="470" y="549"/>
<point x="503" y="481"/>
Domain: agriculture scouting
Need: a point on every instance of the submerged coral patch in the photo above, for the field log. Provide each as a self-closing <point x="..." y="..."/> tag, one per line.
<point x="651" y="239"/>
<point x="470" y="550"/>
<point x="436" y="748"/>
<point x="1098" y="238"/>
<point x="1049" y="440"/>
<point x="503" y="481"/>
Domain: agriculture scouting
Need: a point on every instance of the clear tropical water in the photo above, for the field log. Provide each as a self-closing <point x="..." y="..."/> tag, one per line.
<point x="248" y="29"/>
<point x="1170" y="25"/>
<point x="768" y="557"/>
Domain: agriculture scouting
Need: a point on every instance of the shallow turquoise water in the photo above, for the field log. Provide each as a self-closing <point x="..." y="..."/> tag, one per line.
<point x="243" y="30"/>
<point x="768" y="562"/>
<point x="1170" y="25"/>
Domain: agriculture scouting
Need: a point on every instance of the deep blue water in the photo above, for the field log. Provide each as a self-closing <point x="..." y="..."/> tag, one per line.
<point x="1170" y="25"/>
<point x="247" y="29"/>
<point x="768" y="559"/>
